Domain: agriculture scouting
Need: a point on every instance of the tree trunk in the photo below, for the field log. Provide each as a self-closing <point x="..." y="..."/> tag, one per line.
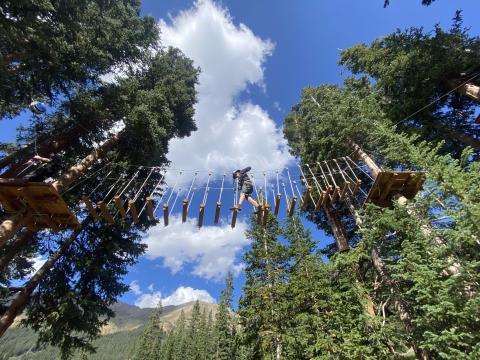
<point x="18" y="305"/>
<point x="11" y="226"/>
<point x="48" y="147"/>
<point x="470" y="90"/>
<point x="362" y="155"/>
<point x="20" y="243"/>
<point x="463" y="138"/>
<point x="337" y="228"/>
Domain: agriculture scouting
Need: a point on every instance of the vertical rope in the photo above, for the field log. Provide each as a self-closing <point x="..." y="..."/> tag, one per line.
<point x="255" y="186"/>
<point x="221" y="188"/>
<point x="265" y="187"/>
<point x="142" y="186"/>
<point x="174" y="186"/>
<point x="191" y="185"/>
<point x="175" y="201"/>
<point x="205" y="194"/>
<point x="290" y="179"/>
<point x="278" y="184"/>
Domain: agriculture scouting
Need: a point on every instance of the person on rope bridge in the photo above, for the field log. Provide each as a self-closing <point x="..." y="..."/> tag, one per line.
<point x="244" y="186"/>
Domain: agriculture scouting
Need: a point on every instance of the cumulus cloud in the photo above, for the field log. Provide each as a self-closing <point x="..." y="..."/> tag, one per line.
<point x="212" y="249"/>
<point x="135" y="287"/>
<point x="230" y="135"/>
<point x="181" y="295"/>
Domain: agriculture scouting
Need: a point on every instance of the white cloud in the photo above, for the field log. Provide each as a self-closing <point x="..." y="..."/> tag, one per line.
<point x="229" y="135"/>
<point x="212" y="249"/>
<point x="37" y="263"/>
<point x="150" y="300"/>
<point x="180" y="296"/>
<point x="135" y="287"/>
<point x="150" y="287"/>
<point x="186" y="294"/>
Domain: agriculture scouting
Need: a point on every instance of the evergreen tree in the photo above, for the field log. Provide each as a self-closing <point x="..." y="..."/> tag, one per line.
<point x="53" y="47"/>
<point x="262" y="308"/>
<point x="224" y="329"/>
<point x="149" y="344"/>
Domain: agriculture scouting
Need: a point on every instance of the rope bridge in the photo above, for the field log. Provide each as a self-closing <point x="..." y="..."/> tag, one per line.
<point x="143" y="193"/>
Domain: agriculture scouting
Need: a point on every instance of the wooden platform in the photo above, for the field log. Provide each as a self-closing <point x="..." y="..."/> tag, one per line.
<point x="41" y="200"/>
<point x="389" y="184"/>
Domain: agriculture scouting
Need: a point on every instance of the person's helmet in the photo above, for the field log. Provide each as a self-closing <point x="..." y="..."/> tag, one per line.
<point x="37" y="107"/>
<point x="234" y="174"/>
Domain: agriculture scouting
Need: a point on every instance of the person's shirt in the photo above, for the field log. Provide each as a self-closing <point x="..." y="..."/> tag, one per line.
<point x="243" y="177"/>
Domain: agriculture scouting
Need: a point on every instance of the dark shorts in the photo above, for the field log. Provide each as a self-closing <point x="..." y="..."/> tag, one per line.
<point x="247" y="188"/>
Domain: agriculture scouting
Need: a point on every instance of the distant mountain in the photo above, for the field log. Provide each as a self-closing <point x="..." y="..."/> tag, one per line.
<point x="116" y="343"/>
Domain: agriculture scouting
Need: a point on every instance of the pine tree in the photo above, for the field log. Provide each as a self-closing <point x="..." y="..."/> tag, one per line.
<point x="149" y="343"/>
<point x="262" y="306"/>
<point x="224" y="330"/>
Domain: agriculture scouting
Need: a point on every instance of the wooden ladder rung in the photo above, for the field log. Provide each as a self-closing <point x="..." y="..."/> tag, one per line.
<point x="265" y="215"/>
<point x="321" y="200"/>
<point x="165" y="214"/>
<point x="217" y="212"/>
<point x="90" y="208"/>
<point x="150" y="209"/>
<point x="184" y="210"/>
<point x="277" y="203"/>
<point x="234" y="216"/>
<point x="336" y="192"/>
<point x="119" y="205"/>
<point x="260" y="209"/>
<point x="306" y="196"/>
<point x="291" y="209"/>
<point x="105" y="214"/>
<point x="133" y="210"/>
<point x="346" y="186"/>
<point x="356" y="187"/>
<point x="200" y="215"/>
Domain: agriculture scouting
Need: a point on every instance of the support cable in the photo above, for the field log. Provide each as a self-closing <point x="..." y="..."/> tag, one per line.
<point x="142" y="186"/>
<point x="221" y="188"/>
<point x="205" y="194"/>
<point x="174" y="187"/>
<point x="175" y="201"/>
<point x="265" y="187"/>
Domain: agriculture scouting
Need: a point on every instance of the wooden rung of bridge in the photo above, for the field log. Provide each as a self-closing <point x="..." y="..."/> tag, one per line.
<point x="90" y="208"/>
<point x="184" y="210"/>
<point x="291" y="208"/>
<point x="133" y="210"/>
<point x="150" y="209"/>
<point x="105" y="213"/>
<point x="165" y="214"/>
<point x="306" y="196"/>
<point x="234" y="216"/>
<point x="217" y="212"/>
<point x="389" y="184"/>
<point x="119" y="204"/>
<point x="260" y="209"/>
<point x="277" y="204"/>
<point x="265" y="215"/>
<point x="201" y="215"/>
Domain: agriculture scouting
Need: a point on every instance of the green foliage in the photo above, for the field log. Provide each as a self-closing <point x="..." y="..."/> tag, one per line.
<point x="50" y="47"/>
<point x="149" y="343"/>
<point x="224" y="331"/>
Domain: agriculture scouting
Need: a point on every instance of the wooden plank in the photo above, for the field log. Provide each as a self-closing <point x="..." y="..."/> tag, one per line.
<point x="234" y="216"/>
<point x="277" y="203"/>
<point x="119" y="204"/>
<point x="90" y="208"/>
<point x="133" y="210"/>
<point x="321" y="200"/>
<point x="260" y="209"/>
<point x="200" y="215"/>
<point x="217" y="212"/>
<point x="356" y="187"/>
<point x="346" y="186"/>
<point x="265" y="215"/>
<point x="165" y="214"/>
<point x="150" y="209"/>
<point x="184" y="210"/>
<point x="306" y="196"/>
<point x="291" y="209"/>
<point x="336" y="192"/>
<point x="105" y="214"/>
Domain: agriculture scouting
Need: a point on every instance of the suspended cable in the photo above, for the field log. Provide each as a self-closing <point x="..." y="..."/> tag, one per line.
<point x="221" y="188"/>
<point x="278" y="184"/>
<point x="191" y="185"/>
<point x="128" y="184"/>
<point x="175" y="201"/>
<point x="265" y="187"/>
<point x="205" y="194"/>
<point x="141" y="186"/>
<point x="174" y="187"/>
<point x="290" y="180"/>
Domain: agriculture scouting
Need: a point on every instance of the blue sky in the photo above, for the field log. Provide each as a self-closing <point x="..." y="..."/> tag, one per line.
<point x="256" y="56"/>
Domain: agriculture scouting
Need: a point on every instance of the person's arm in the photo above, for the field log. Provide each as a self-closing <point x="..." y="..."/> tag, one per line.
<point x="244" y="171"/>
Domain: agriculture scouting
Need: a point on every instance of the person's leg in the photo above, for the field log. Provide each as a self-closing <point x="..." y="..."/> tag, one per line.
<point x="252" y="201"/>
<point x="242" y="198"/>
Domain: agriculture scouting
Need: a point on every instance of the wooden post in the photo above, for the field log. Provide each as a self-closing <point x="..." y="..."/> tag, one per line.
<point x="105" y="214"/>
<point x="90" y="208"/>
<point x="119" y="205"/>
<point x="291" y="210"/>
<point x="217" y="212"/>
<point x="200" y="215"/>
<point x="265" y="215"/>
<point x="184" y="210"/>
<point x="346" y="186"/>
<point x="321" y="200"/>
<point x="260" y="209"/>
<point x="337" y="228"/>
<point x="277" y="203"/>
<point x="470" y="90"/>
<point x="165" y="214"/>
<point x="306" y="196"/>
<point x="133" y="210"/>
<point x="234" y="216"/>
<point x="150" y="210"/>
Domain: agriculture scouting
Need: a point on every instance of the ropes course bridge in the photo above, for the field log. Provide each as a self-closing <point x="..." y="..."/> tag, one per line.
<point x="142" y="193"/>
